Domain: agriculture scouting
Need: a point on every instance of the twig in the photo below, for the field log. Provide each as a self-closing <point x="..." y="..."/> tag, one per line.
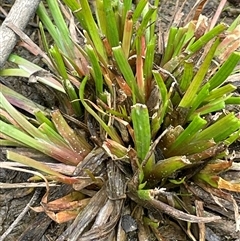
<point x="201" y="226"/>
<point x="158" y="206"/>
<point x="32" y="24"/>
<point x="21" y="215"/>
<point x="20" y="14"/>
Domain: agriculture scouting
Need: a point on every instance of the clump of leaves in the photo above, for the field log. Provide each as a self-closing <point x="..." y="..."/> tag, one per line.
<point x="137" y="125"/>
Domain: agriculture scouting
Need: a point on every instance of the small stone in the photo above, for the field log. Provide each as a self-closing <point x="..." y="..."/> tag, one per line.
<point x="128" y="223"/>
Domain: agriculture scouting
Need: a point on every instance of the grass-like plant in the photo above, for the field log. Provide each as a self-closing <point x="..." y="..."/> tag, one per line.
<point x="156" y="125"/>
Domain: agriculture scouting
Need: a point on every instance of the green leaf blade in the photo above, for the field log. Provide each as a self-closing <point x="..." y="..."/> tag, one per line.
<point x="225" y="70"/>
<point x="197" y="80"/>
<point x="142" y="132"/>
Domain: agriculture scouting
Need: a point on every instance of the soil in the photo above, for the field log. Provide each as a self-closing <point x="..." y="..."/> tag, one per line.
<point x="35" y="226"/>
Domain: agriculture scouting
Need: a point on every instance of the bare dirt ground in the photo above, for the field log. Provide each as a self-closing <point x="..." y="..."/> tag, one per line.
<point x="39" y="227"/>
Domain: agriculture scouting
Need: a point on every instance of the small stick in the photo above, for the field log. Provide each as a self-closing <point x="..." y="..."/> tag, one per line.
<point x="21" y="215"/>
<point x="19" y="15"/>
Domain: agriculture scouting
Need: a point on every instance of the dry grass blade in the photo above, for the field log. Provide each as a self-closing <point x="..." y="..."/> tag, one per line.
<point x="92" y="162"/>
<point x="194" y="11"/>
<point x="218" y="201"/>
<point x="217" y="13"/>
<point x="25" y="185"/>
<point x="109" y="214"/>
<point x="236" y="214"/>
<point x="28" y="43"/>
<point x="84" y="218"/>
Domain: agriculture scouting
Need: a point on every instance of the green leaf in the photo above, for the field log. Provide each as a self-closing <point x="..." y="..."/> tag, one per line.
<point x="58" y="61"/>
<point x="206" y="38"/>
<point x="10" y="143"/>
<point x="62" y="29"/>
<point x="154" y="20"/>
<point x="43" y="38"/>
<point x="14" y="72"/>
<point x="164" y="168"/>
<point x="41" y="117"/>
<point x="179" y="41"/>
<point x="126" y="70"/>
<point x="149" y="60"/>
<point x="139" y="9"/>
<point x="198" y="78"/>
<point x="143" y="26"/>
<point x="127" y="5"/>
<point x="84" y="15"/>
<point x="187" y="75"/>
<point x="73" y="97"/>
<point x="177" y="182"/>
<point x="48" y="24"/>
<point x="142" y="132"/>
<point x="157" y="119"/>
<point x="201" y="96"/>
<point x="187" y="135"/>
<point x="53" y="135"/>
<point x="170" y="44"/>
<point x="110" y="131"/>
<point x="59" y="153"/>
<point x="97" y="72"/>
<point x="228" y="124"/>
<point x="220" y="92"/>
<point x="225" y="70"/>
<point x="112" y="28"/>
<point x="40" y="167"/>
<point x="101" y="17"/>
<point x="24" y="64"/>
<point x="145" y="194"/>
<point x="233" y="137"/>
<point x="202" y="150"/>
<point x="233" y="100"/>
<point x="92" y="28"/>
<point x="20" y="119"/>
<point x="213" y="106"/>
<point x="116" y="149"/>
